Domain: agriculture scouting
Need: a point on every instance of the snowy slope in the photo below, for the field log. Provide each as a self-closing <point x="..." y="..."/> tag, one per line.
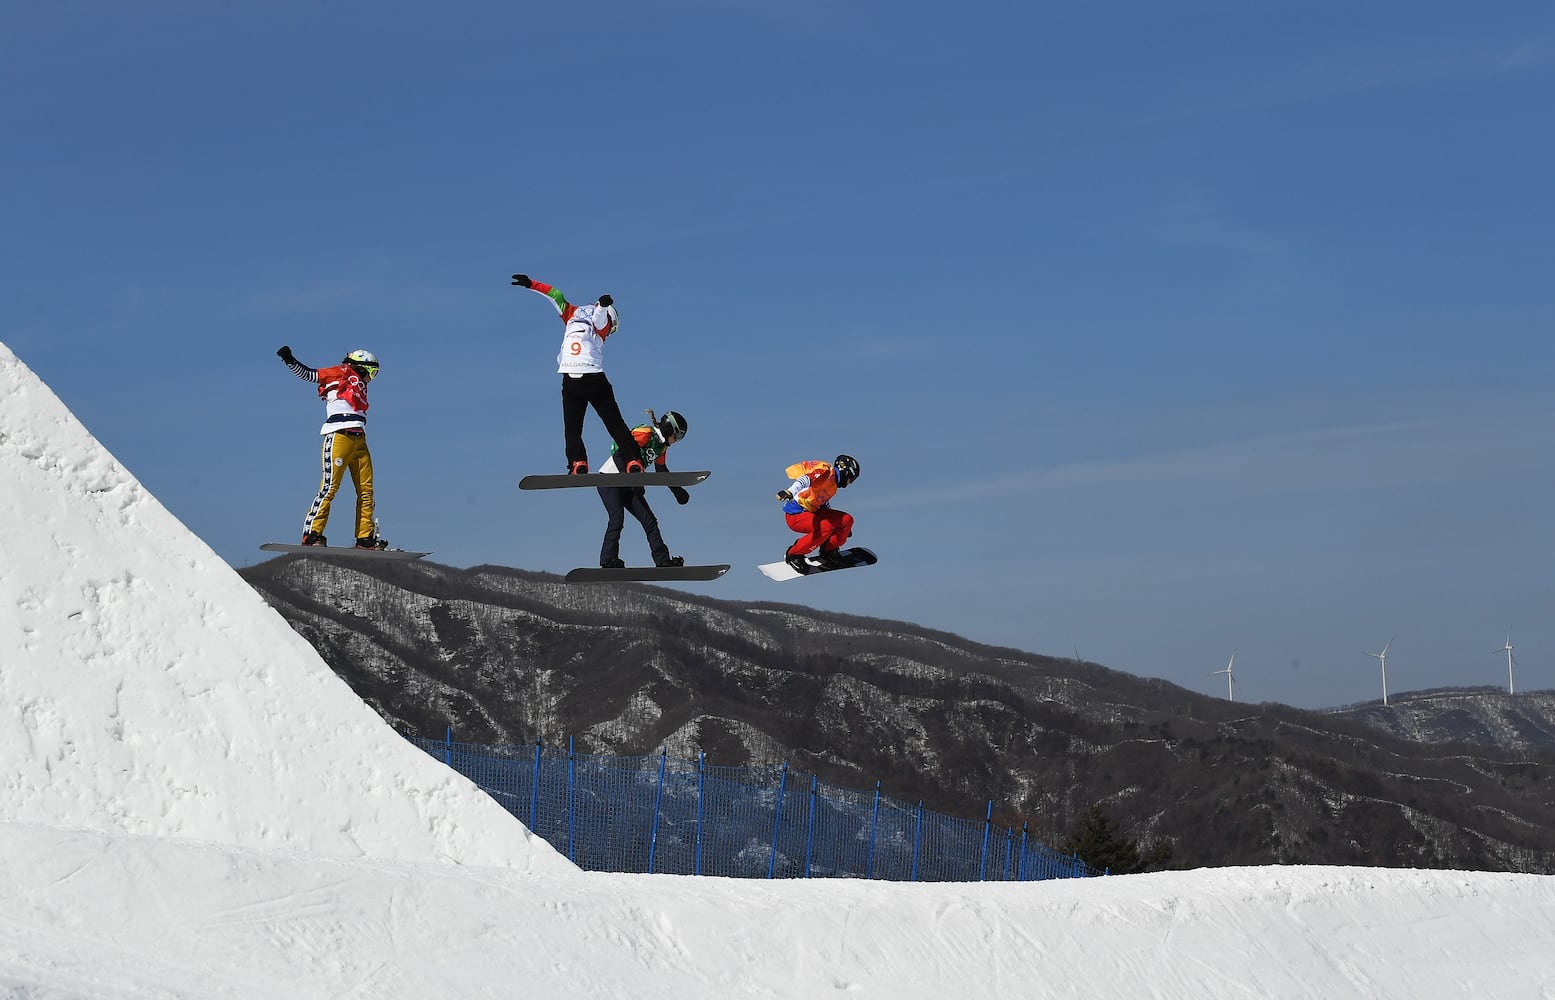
<point x="145" y="688"/>
<point x="192" y="806"/>
<point x="98" y="916"/>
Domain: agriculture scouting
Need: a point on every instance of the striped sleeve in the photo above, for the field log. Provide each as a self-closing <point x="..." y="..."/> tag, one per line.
<point x="303" y="372"/>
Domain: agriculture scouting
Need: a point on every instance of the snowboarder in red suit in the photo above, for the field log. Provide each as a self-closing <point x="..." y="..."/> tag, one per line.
<point x="807" y="507"/>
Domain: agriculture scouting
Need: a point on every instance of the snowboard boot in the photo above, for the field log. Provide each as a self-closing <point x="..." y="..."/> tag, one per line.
<point x="672" y="561"/>
<point x="313" y="538"/>
<point x="578" y="469"/>
<point x="830" y="558"/>
<point x="371" y="542"/>
<point x="798" y="562"/>
<point x="613" y="564"/>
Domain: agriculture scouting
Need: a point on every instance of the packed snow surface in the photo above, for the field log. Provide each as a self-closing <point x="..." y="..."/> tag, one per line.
<point x="146" y="688"/>
<point x="193" y="805"/>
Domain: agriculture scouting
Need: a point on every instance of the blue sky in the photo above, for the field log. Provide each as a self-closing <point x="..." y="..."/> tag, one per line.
<point x="1159" y="330"/>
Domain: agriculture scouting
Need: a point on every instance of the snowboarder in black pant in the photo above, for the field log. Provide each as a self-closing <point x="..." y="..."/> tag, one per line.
<point x="652" y="439"/>
<point x="581" y="363"/>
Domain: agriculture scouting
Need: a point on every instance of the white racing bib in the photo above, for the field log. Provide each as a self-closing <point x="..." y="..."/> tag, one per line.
<point x="583" y="349"/>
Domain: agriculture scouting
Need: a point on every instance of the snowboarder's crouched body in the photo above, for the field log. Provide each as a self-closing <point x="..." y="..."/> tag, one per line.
<point x="652" y="441"/>
<point x="808" y="510"/>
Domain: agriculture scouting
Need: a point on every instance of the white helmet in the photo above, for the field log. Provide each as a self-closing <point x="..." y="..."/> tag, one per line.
<point x="365" y="360"/>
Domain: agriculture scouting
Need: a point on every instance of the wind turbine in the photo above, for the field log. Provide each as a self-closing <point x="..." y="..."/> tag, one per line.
<point x="1383" y="656"/>
<point x="1509" y="660"/>
<point x="1230" y="679"/>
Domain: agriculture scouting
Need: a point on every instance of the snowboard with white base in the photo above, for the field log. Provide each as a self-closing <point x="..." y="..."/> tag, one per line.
<point x="851" y="559"/>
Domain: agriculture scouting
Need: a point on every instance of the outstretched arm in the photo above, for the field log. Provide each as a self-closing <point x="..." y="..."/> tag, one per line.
<point x="549" y="291"/>
<point x="299" y="369"/>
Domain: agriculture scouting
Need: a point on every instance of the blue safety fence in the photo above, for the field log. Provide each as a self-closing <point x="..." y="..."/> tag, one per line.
<point x="688" y="817"/>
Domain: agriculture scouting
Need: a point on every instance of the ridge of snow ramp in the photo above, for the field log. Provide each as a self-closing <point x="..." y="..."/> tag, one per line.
<point x="145" y="688"/>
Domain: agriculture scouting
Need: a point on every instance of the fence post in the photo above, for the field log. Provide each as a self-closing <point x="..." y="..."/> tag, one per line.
<point x="448" y="747"/>
<point x="534" y="794"/>
<point x="917" y="840"/>
<point x="1020" y="867"/>
<point x="777" y="821"/>
<point x="572" y="810"/>
<point x="809" y="837"/>
<point x="1009" y="846"/>
<point x="874" y="830"/>
<point x="982" y="866"/>
<point x="658" y="799"/>
<point x="701" y="770"/>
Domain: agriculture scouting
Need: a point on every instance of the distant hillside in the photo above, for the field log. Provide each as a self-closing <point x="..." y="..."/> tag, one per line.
<point x="508" y="656"/>
<point x="1486" y="717"/>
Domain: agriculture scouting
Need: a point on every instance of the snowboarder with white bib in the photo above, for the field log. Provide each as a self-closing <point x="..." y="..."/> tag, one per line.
<point x="581" y="363"/>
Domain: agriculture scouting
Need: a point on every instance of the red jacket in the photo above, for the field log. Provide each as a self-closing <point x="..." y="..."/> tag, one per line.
<point x="348" y="387"/>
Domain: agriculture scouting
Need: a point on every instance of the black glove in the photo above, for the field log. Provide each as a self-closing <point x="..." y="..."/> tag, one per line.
<point x="785" y="496"/>
<point x="521" y="280"/>
<point x="682" y="495"/>
<point x="285" y="354"/>
<point x="606" y="300"/>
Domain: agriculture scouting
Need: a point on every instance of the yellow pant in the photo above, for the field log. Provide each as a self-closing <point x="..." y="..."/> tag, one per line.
<point x="341" y="453"/>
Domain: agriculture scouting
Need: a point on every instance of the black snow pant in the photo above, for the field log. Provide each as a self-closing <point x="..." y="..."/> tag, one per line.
<point x="593" y="389"/>
<point x="618" y="500"/>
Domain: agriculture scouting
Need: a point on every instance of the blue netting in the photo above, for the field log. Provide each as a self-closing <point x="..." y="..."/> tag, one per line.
<point x="685" y="817"/>
<point x="844" y="822"/>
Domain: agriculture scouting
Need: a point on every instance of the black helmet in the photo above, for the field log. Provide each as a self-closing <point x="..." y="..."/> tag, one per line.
<point x="846" y="468"/>
<point x="673" y="425"/>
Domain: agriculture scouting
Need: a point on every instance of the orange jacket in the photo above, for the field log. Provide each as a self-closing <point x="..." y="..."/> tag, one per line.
<point x="813" y="487"/>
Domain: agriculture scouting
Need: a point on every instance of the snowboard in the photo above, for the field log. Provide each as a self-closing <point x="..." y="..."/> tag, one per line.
<point x="590" y="574"/>
<point x="852" y="558"/>
<point x="350" y="551"/>
<point x="627" y="479"/>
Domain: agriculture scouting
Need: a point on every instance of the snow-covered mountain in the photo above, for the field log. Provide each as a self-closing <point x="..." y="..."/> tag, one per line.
<point x="507" y="656"/>
<point x="193" y="806"/>
<point x="1522" y="724"/>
